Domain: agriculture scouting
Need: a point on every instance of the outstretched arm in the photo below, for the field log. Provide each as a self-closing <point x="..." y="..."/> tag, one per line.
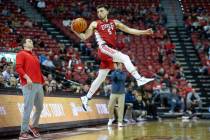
<point x="88" y="32"/>
<point x="133" y="31"/>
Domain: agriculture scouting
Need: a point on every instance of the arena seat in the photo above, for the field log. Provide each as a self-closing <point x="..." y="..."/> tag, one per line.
<point x="188" y="6"/>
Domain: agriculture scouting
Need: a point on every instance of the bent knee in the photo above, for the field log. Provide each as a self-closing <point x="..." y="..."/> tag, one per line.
<point x="121" y="57"/>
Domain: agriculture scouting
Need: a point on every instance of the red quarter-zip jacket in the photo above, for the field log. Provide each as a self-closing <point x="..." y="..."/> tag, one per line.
<point x="28" y="63"/>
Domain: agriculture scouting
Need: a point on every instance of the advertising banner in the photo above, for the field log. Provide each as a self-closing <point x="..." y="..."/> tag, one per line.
<point x="56" y="110"/>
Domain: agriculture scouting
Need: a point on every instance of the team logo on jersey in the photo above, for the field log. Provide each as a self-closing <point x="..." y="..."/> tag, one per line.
<point x="109" y="27"/>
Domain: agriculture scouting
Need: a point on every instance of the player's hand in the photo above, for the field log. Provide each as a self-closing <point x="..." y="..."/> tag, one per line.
<point x="149" y="31"/>
<point x="72" y="29"/>
<point x="29" y="83"/>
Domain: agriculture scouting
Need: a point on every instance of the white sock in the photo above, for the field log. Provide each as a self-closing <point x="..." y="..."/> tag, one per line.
<point x="136" y="75"/>
<point x="97" y="82"/>
<point x="89" y="94"/>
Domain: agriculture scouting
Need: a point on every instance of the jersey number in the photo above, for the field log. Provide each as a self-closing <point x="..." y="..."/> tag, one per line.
<point x="109" y="31"/>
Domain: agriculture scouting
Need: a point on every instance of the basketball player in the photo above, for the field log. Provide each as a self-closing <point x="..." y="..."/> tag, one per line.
<point x="105" y="33"/>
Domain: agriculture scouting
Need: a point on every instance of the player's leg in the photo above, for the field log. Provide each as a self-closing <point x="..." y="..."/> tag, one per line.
<point x="125" y="59"/>
<point x="94" y="86"/>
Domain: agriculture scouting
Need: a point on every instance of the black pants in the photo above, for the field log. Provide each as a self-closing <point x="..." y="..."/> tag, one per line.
<point x="152" y="110"/>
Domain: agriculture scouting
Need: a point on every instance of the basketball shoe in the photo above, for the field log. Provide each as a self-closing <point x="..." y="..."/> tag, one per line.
<point x="84" y="100"/>
<point x="144" y="80"/>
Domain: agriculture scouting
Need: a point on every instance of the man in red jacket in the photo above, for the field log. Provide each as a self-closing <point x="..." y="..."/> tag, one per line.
<point x="31" y="78"/>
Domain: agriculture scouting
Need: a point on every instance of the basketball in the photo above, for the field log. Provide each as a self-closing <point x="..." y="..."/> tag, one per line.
<point x="79" y="25"/>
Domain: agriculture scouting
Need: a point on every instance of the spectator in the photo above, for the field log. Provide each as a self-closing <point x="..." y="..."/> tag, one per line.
<point x="20" y="10"/>
<point x="52" y="87"/>
<point x="41" y="44"/>
<point x="161" y="72"/>
<point x="41" y="4"/>
<point x="199" y="46"/>
<point x="203" y="70"/>
<point x="49" y="77"/>
<point x="7" y="73"/>
<point x="82" y="47"/>
<point x="72" y="61"/>
<point x="68" y="74"/>
<point x="13" y="82"/>
<point x="129" y="101"/>
<point x="62" y="52"/>
<point x="63" y="67"/>
<point x="79" y="66"/>
<point x="193" y="100"/>
<point x="61" y="9"/>
<point x="206" y="29"/>
<point x="13" y="44"/>
<point x="91" y="77"/>
<point x="151" y="108"/>
<point x="46" y="85"/>
<point x="5" y="12"/>
<point x="5" y="29"/>
<point x="48" y="63"/>
<point x="163" y="94"/>
<point x="166" y="80"/>
<point x="156" y="87"/>
<point x="16" y="23"/>
<point x="189" y="88"/>
<point x="2" y="82"/>
<point x="180" y="74"/>
<point x="175" y="100"/>
<point x="169" y="46"/>
<point x="59" y="86"/>
<point x="107" y="88"/>
<point x="57" y="61"/>
<point x="42" y="58"/>
<point x="28" y="24"/>
<point x="3" y="61"/>
<point x="138" y="106"/>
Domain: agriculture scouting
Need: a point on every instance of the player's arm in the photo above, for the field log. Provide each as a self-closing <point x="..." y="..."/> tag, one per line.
<point x="133" y="31"/>
<point x="88" y="32"/>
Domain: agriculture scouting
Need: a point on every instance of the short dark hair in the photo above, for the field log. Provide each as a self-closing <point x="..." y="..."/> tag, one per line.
<point x="23" y="41"/>
<point x="103" y="6"/>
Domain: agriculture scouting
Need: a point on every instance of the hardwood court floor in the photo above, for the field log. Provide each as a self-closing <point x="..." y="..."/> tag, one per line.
<point x="154" y="130"/>
<point x="165" y="130"/>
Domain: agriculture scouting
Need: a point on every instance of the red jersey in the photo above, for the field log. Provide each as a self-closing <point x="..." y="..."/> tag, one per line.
<point x="106" y="33"/>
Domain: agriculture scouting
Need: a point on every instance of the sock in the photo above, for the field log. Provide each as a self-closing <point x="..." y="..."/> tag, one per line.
<point x="136" y="75"/>
<point x="89" y="94"/>
<point x="97" y="82"/>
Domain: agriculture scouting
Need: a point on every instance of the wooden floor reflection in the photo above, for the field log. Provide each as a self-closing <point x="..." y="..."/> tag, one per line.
<point x="164" y="130"/>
